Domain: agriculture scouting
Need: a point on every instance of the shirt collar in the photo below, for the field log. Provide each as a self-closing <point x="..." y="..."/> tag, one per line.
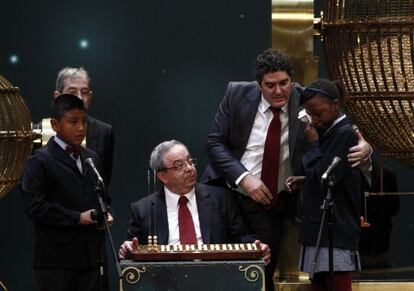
<point x="264" y="105"/>
<point x="60" y="142"/>
<point x="172" y="198"/>
<point x="335" y="122"/>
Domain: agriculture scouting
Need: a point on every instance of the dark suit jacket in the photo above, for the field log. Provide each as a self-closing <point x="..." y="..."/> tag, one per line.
<point x="100" y="139"/>
<point x="54" y="193"/>
<point x="346" y="194"/>
<point x="220" y="220"/>
<point x="375" y="240"/>
<point x="231" y="130"/>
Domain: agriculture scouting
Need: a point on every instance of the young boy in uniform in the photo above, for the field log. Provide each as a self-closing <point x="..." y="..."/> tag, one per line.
<point x="58" y="191"/>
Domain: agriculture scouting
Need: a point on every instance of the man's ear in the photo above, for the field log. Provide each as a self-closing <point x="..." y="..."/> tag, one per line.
<point x="162" y="177"/>
<point x="56" y="93"/>
<point x="55" y="124"/>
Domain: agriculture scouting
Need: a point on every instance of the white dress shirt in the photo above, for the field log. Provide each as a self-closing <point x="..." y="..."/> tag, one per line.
<point x="253" y="155"/>
<point x="171" y="200"/>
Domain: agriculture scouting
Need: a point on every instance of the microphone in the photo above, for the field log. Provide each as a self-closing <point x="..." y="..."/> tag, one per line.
<point x="90" y="163"/>
<point x="335" y="162"/>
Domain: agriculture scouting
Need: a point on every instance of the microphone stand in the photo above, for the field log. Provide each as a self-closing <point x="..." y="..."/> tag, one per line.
<point x="328" y="217"/>
<point x="100" y="190"/>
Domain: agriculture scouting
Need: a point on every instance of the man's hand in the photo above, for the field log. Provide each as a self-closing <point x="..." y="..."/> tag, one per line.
<point x="294" y="183"/>
<point x="256" y="189"/>
<point x="359" y="155"/>
<point x="363" y="222"/>
<point x="265" y="250"/>
<point x="85" y="217"/>
<point x="127" y="247"/>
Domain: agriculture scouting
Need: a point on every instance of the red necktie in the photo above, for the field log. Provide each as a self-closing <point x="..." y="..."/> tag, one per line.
<point x="270" y="163"/>
<point x="185" y="223"/>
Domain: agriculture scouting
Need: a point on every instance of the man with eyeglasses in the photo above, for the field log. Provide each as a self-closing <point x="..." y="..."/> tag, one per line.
<point x="99" y="136"/>
<point x="212" y="218"/>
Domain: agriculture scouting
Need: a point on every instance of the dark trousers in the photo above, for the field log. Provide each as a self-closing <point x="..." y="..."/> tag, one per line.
<point x="68" y="279"/>
<point x="267" y="225"/>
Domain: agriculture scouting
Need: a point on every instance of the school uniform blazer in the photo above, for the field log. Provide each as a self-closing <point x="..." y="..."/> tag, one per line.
<point x="220" y="220"/>
<point x="346" y="194"/>
<point x="55" y="193"/>
<point x="100" y="139"/>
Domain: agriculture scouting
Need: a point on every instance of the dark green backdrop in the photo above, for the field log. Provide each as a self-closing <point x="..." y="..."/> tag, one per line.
<point x="159" y="70"/>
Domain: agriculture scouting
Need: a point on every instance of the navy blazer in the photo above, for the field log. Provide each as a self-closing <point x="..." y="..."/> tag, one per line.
<point x="100" y="139"/>
<point x="220" y="220"/>
<point x="55" y="193"/>
<point x="346" y="194"/>
<point x="231" y="130"/>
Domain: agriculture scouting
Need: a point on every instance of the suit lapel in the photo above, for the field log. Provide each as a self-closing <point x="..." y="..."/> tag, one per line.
<point x="158" y="217"/>
<point x="247" y="115"/>
<point x="205" y="210"/>
<point x="91" y="134"/>
<point x="60" y="155"/>
<point x="332" y="130"/>
<point x="294" y="123"/>
<point x="85" y="169"/>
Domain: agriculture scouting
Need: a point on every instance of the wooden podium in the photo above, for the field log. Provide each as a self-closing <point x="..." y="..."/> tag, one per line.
<point x="241" y="275"/>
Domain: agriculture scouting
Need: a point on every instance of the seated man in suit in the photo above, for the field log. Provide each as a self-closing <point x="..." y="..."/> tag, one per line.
<point x="213" y="215"/>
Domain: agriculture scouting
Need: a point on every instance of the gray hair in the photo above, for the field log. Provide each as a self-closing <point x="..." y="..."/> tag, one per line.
<point x="157" y="156"/>
<point x="70" y="73"/>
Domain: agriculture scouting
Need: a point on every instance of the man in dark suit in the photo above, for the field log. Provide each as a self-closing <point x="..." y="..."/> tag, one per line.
<point x="214" y="215"/>
<point x="58" y="193"/>
<point x="99" y="136"/>
<point x="236" y="148"/>
<point x="375" y="241"/>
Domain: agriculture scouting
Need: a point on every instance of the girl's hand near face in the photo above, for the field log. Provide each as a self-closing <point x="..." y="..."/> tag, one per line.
<point x="311" y="132"/>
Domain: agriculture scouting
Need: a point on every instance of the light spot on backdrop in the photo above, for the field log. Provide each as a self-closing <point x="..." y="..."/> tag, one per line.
<point x="84" y="44"/>
<point x="13" y="59"/>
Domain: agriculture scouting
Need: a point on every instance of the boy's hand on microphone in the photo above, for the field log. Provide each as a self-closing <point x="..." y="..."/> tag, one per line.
<point x="86" y="217"/>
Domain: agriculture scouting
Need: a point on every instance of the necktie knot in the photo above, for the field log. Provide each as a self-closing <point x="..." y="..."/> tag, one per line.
<point x="73" y="150"/>
<point x="275" y="110"/>
<point x="182" y="201"/>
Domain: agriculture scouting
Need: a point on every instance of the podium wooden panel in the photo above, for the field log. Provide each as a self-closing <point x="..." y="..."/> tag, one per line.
<point x="245" y="275"/>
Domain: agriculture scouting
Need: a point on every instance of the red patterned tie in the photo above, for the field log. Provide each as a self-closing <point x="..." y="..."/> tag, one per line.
<point x="185" y="223"/>
<point x="270" y="164"/>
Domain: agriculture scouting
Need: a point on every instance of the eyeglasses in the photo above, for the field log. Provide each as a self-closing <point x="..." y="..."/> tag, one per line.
<point x="180" y="165"/>
<point x="81" y="93"/>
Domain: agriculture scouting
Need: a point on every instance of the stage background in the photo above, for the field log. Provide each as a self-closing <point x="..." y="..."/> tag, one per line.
<point x="159" y="70"/>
